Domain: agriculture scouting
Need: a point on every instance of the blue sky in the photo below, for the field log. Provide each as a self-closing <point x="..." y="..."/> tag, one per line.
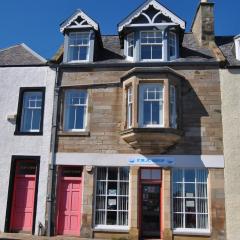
<point x="36" y="23"/>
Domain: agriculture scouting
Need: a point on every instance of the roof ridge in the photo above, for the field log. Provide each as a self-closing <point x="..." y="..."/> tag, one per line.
<point x="35" y="54"/>
<point x="7" y="48"/>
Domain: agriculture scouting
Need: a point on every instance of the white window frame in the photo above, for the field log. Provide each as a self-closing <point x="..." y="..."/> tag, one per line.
<point x="79" y="45"/>
<point x="142" y="87"/>
<point x="184" y="230"/>
<point x="130" y="38"/>
<point x="151" y="44"/>
<point x="129" y="106"/>
<point x="31" y="108"/>
<point x="237" y="48"/>
<point x="105" y="226"/>
<point x="173" y="103"/>
<point x="172" y="45"/>
<point x="66" y="111"/>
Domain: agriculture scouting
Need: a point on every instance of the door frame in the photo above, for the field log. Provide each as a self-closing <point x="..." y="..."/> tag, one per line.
<point x="14" y="160"/>
<point x="58" y="187"/>
<point x="150" y="182"/>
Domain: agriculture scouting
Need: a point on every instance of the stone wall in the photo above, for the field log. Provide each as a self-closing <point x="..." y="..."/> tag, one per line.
<point x="200" y="113"/>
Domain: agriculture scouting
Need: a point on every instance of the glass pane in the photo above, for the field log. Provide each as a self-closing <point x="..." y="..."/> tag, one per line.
<point x="70" y="121"/>
<point x="111" y="218"/>
<point x="146" y="52"/>
<point x="124" y="174"/>
<point x="146" y="174"/>
<point x="112" y="173"/>
<point x="147" y="113"/>
<point x="26" y="120"/>
<point x="202" y="221"/>
<point x="112" y="203"/>
<point x="100" y="217"/>
<point x="190" y="221"/>
<point x="190" y="175"/>
<point x="202" y="190"/>
<point x="101" y="188"/>
<point x="73" y="53"/>
<point x="190" y="190"/>
<point x="157" y="52"/>
<point x="83" y="53"/>
<point x="101" y="173"/>
<point x="202" y="175"/>
<point x="177" y="175"/>
<point x="172" y="51"/>
<point x="178" y="220"/>
<point x="123" y="218"/>
<point x="112" y="188"/>
<point x="123" y="188"/>
<point x="202" y="205"/>
<point x="80" y="112"/>
<point x="100" y="202"/>
<point x="156" y="113"/>
<point x="190" y="205"/>
<point x="156" y="174"/>
<point x="123" y="203"/>
<point x="178" y="204"/>
<point x="36" y="120"/>
<point x="177" y="190"/>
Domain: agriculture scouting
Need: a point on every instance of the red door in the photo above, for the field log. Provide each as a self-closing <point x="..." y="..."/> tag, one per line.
<point x="23" y="197"/>
<point x="69" y="203"/>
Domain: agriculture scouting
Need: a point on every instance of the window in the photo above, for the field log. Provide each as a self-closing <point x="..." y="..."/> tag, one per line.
<point x="151" y="105"/>
<point x="78" y="48"/>
<point x="237" y="47"/>
<point x="129" y="107"/>
<point x="190" y="199"/>
<point x="173" y="107"/>
<point x="130" y="45"/>
<point x="151" y="45"/>
<point x="172" y="44"/>
<point x="111" y="203"/>
<point x="75" y="110"/>
<point x="30" y="111"/>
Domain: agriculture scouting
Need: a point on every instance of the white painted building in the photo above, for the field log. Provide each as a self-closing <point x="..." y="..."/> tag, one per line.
<point x="26" y="97"/>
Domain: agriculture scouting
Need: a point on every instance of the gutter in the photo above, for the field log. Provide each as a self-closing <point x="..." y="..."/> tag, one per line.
<point x="50" y="195"/>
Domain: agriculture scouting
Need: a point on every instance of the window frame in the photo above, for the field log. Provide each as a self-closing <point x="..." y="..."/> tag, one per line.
<point x="65" y="111"/>
<point x="174" y="102"/>
<point x="142" y="86"/>
<point x="184" y="230"/>
<point x="237" y="48"/>
<point x="151" y="44"/>
<point x="129" y="105"/>
<point x="23" y="90"/>
<point x="106" y="226"/>
<point x="130" y="36"/>
<point x="175" y="45"/>
<point x="84" y="45"/>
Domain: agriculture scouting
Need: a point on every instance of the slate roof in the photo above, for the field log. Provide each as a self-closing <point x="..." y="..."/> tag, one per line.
<point x="227" y="46"/>
<point x="20" y="55"/>
<point x="112" y="52"/>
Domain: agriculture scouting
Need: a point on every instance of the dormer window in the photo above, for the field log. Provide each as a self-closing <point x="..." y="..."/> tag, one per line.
<point x="172" y="45"/>
<point x="78" y="48"/>
<point x="151" y="45"/>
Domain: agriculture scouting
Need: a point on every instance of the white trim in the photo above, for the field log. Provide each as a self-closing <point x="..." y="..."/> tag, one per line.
<point x="101" y="159"/>
<point x="144" y="7"/>
<point x="73" y="18"/>
<point x="175" y="45"/>
<point x="151" y="25"/>
<point x="33" y="52"/>
<point x="130" y="58"/>
<point x="237" y="47"/>
<point x="197" y="232"/>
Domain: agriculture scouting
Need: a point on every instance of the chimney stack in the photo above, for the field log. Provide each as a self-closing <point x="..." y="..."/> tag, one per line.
<point x="203" y="24"/>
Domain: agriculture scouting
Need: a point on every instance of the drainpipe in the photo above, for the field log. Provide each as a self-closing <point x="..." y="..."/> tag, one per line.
<point x="50" y="195"/>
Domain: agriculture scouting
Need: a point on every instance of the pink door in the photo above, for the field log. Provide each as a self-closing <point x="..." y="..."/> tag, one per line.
<point x="69" y="206"/>
<point x="23" y="198"/>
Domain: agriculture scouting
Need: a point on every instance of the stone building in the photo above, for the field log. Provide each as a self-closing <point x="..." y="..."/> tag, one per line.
<point x="139" y="150"/>
<point x="26" y="97"/>
<point x="230" y="90"/>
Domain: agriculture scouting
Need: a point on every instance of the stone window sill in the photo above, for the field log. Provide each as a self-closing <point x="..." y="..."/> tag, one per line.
<point x="106" y="229"/>
<point x="192" y="232"/>
<point x="74" y="134"/>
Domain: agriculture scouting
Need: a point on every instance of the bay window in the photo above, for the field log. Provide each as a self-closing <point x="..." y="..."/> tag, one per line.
<point x="151" y="45"/>
<point x="112" y="195"/>
<point x="190" y="200"/>
<point x="151" y="105"/>
<point x="75" y="110"/>
<point x="78" y="46"/>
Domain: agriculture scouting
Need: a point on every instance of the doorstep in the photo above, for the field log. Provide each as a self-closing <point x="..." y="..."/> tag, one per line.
<point x="20" y="236"/>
